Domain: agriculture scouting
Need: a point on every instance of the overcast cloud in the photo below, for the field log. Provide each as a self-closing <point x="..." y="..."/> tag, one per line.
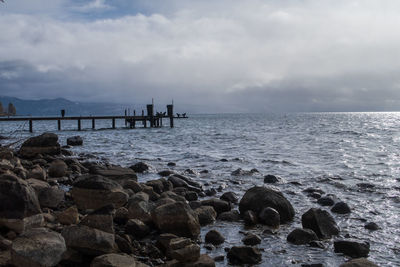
<point x="231" y="56"/>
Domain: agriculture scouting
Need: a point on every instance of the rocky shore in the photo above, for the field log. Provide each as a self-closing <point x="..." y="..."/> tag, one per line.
<point x="57" y="209"/>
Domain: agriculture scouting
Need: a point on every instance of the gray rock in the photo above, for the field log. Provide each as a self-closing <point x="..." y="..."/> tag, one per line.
<point x="321" y="222"/>
<point x="251" y="240"/>
<point x="229" y="197"/>
<point x="271" y="179"/>
<point x="372" y="226"/>
<point x="218" y="204"/>
<point x="244" y="255"/>
<point x="341" y="208"/>
<point x="325" y="201"/>
<point x="229" y="216"/>
<point x="45" y="144"/>
<point x="352" y="248"/>
<point x="214" y="237"/>
<point x="258" y="198"/>
<point x="58" y="168"/>
<point x="38" y="247"/>
<point x="75" y="141"/>
<point x="206" y="215"/>
<point x="269" y="217"/>
<point x="301" y="236"/>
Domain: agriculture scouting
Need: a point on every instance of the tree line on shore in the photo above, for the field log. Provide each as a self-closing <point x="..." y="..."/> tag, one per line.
<point x="10" y="111"/>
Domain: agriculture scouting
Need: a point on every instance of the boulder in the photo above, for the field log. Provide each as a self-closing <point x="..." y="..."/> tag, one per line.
<point x="114" y="172"/>
<point x="51" y="197"/>
<point x="140" y="208"/>
<point x="251" y="240"/>
<point x="229" y="197"/>
<point x="45" y="144"/>
<point x="38" y="247"/>
<point x="166" y="173"/>
<point x="140" y="167"/>
<point x="58" y="168"/>
<point x="214" y="237"/>
<point x="250" y="218"/>
<point x="372" y="226"/>
<point x="206" y="215"/>
<point x="244" y="255"/>
<point x="177" y="218"/>
<point x="218" y="204"/>
<point x="37" y="185"/>
<point x="37" y="173"/>
<point x="229" y="216"/>
<point x="352" y="248"/>
<point x="19" y="206"/>
<point x="326" y="201"/>
<point x="270" y="217"/>
<point x="271" y="179"/>
<point x="321" y="222"/>
<point x="116" y="260"/>
<point x="360" y="262"/>
<point x="74" y="141"/>
<point x="94" y="192"/>
<point x="188" y="253"/>
<point x="341" y="208"/>
<point x="161" y="185"/>
<point x="136" y="228"/>
<point x="88" y="240"/>
<point x="203" y="261"/>
<point x="301" y="236"/>
<point x="258" y="198"/>
<point x="68" y="216"/>
<point x="101" y="219"/>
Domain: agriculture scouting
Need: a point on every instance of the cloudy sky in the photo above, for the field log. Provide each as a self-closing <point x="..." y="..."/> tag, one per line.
<point x="217" y="55"/>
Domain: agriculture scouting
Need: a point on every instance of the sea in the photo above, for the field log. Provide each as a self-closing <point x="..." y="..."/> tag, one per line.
<point x="354" y="157"/>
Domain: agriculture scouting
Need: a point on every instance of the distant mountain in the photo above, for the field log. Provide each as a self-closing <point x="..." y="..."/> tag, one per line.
<point x="52" y="107"/>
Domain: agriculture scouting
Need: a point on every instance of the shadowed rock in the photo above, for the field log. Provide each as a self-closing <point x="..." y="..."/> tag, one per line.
<point x="116" y="260"/>
<point x="301" y="236"/>
<point x="45" y="144"/>
<point x="244" y="255"/>
<point x="352" y="248"/>
<point x="321" y="222"/>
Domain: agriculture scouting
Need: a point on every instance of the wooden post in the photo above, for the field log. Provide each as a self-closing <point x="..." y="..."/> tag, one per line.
<point x="133" y="124"/>
<point x="170" y="112"/>
<point x="126" y="122"/>
<point x="79" y="124"/>
<point x="113" y="123"/>
<point x="150" y="114"/>
<point x="59" y="124"/>
<point x="93" y="124"/>
<point x="30" y="126"/>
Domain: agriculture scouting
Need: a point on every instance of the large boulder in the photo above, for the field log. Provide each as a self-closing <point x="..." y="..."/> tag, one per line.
<point x="38" y="247"/>
<point x="244" y="255"/>
<point x="352" y="248"/>
<point x="177" y="218"/>
<point x="258" y="198"/>
<point x="321" y="222"/>
<point x="116" y="260"/>
<point x="94" y="192"/>
<point x="19" y="206"/>
<point x="140" y="208"/>
<point x="74" y="141"/>
<point x="88" y="240"/>
<point x="45" y="144"/>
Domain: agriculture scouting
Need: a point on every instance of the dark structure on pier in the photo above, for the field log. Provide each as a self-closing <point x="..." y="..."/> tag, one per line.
<point x="150" y="119"/>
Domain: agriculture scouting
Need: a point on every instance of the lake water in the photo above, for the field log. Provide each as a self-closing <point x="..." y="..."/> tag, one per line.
<point x="336" y="152"/>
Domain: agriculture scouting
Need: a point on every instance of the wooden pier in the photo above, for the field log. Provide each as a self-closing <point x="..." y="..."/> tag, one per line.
<point x="131" y="121"/>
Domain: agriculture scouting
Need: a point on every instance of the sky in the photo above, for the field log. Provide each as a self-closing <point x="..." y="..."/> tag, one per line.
<point x="213" y="55"/>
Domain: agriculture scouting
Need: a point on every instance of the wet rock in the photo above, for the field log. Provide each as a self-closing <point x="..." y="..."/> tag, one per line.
<point x="37" y="173"/>
<point x="360" y="262"/>
<point x="51" y="197"/>
<point x="271" y="179"/>
<point x="352" y="248"/>
<point x="204" y="171"/>
<point x="101" y="219"/>
<point x="229" y="197"/>
<point x="341" y="208"/>
<point x="140" y="167"/>
<point x="177" y="218"/>
<point x="88" y="240"/>
<point x="124" y="244"/>
<point x="210" y="192"/>
<point x="6" y="165"/>
<point x="136" y="228"/>
<point x="161" y="185"/>
<point x="244" y="255"/>
<point x="258" y="198"/>
<point x="251" y="240"/>
<point x="19" y="206"/>
<point x="191" y="196"/>
<point x="195" y="204"/>
<point x="218" y="204"/>
<point x="171" y="164"/>
<point x="270" y="217"/>
<point x="45" y="144"/>
<point x="133" y="185"/>
<point x="219" y="258"/>
<point x="206" y="215"/>
<point x="68" y="216"/>
<point x="58" y="168"/>
<point x="314" y="190"/>
<point x="116" y="260"/>
<point x="312" y="265"/>
<point x="229" y="216"/>
<point x="166" y="173"/>
<point x="38" y="247"/>
<point x="321" y="222"/>
<point x="5" y="244"/>
<point x="301" y="236"/>
<point x="317" y="244"/>
<point x="114" y="172"/>
<point x="174" y="196"/>
<point x="203" y="261"/>
<point x="140" y="208"/>
<point x="37" y="185"/>
<point x="94" y="192"/>
<point x="371" y="226"/>
<point x="315" y="195"/>
<point x="214" y="237"/>
<point x="250" y="218"/>
<point x="183" y="252"/>
<point x="326" y="201"/>
<point x="75" y="141"/>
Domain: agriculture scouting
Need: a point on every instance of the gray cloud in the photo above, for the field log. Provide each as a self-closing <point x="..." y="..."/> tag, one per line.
<point x="225" y="56"/>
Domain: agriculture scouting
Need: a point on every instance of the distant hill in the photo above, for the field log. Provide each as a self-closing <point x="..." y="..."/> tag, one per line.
<point x="52" y="107"/>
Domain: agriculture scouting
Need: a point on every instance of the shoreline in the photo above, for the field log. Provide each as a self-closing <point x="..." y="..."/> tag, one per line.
<point x="155" y="223"/>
